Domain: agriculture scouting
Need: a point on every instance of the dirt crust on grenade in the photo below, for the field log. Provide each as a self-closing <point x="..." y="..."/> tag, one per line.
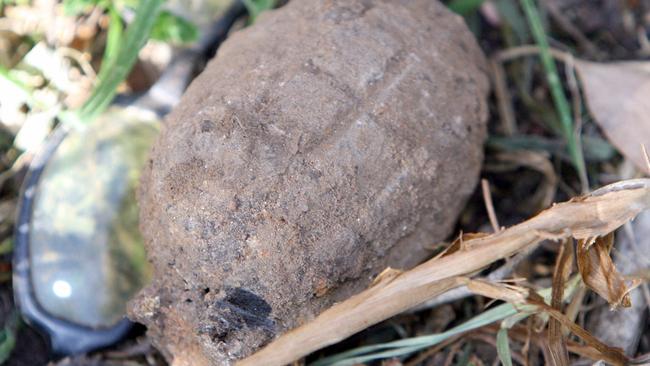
<point x="328" y="141"/>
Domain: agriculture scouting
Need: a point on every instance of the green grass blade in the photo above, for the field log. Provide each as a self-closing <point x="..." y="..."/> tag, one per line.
<point x="406" y="346"/>
<point x="120" y="65"/>
<point x="377" y="356"/>
<point x="503" y="347"/>
<point x="113" y="38"/>
<point x="557" y="92"/>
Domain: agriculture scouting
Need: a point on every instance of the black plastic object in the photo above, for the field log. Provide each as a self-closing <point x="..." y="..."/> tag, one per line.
<point x="71" y="328"/>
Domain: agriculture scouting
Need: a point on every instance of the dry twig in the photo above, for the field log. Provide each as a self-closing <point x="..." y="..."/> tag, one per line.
<point x="489" y="206"/>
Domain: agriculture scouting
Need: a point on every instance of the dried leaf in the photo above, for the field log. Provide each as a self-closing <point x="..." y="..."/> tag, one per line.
<point x="617" y="97"/>
<point x="599" y="273"/>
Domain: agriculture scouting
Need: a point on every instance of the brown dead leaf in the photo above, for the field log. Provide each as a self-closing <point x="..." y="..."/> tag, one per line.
<point x="617" y="97"/>
<point x="598" y="270"/>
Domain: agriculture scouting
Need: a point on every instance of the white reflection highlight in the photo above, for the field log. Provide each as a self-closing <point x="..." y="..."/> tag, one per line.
<point x="62" y="289"/>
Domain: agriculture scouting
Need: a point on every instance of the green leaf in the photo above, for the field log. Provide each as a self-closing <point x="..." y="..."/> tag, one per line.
<point x="410" y="345"/>
<point x="464" y="7"/>
<point x="76" y="7"/>
<point x="113" y="39"/>
<point x="6" y="246"/>
<point x="503" y="347"/>
<point x="172" y="28"/>
<point x="8" y="336"/>
<point x="557" y="91"/>
<point x="119" y="66"/>
<point x="256" y="7"/>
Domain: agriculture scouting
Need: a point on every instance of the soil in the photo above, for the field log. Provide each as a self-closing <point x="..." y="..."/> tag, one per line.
<point x="324" y="143"/>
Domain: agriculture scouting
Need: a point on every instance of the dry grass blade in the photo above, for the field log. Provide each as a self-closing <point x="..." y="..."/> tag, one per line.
<point x="617" y="97"/>
<point x="599" y="273"/>
<point x="556" y="90"/>
<point x="516" y="295"/>
<point x="556" y="341"/>
<point x="589" y="216"/>
<point x="612" y="355"/>
<point x="512" y="294"/>
<point x="584" y="351"/>
<point x="504" y="99"/>
<point x="524" y="334"/>
<point x="489" y="206"/>
<point x="459" y="243"/>
<point x="567" y="26"/>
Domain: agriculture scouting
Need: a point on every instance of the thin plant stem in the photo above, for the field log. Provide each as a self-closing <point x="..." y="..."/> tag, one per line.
<point x="119" y="64"/>
<point x="557" y="92"/>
